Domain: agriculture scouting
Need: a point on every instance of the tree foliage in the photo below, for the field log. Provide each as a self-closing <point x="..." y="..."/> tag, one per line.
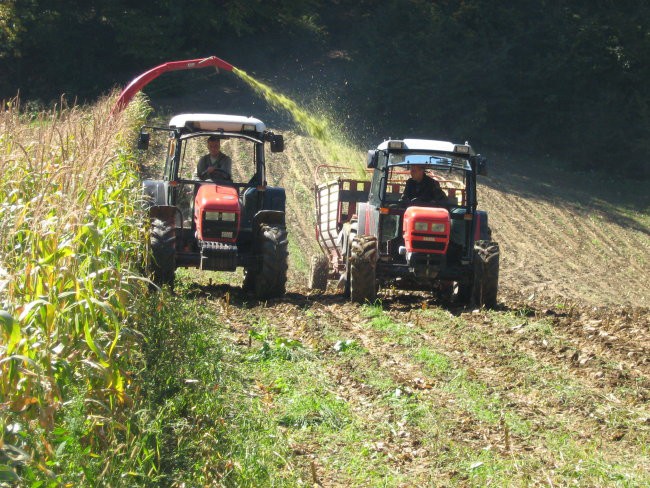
<point x="559" y="77"/>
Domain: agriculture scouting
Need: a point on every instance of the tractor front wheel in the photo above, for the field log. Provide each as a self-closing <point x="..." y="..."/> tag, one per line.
<point x="270" y="278"/>
<point x="162" y="261"/>
<point x="362" y="265"/>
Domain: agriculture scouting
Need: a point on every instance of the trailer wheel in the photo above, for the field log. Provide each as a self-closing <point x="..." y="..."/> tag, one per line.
<point x="162" y="260"/>
<point x="270" y="279"/>
<point x="486" y="274"/>
<point x="363" y="261"/>
<point x="318" y="270"/>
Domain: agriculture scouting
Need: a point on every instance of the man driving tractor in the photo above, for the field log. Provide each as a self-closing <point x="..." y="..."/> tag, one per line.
<point x="215" y="165"/>
<point x="420" y="187"/>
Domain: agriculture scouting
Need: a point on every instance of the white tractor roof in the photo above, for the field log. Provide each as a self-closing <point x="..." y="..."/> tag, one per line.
<point x="215" y="122"/>
<point x="426" y="145"/>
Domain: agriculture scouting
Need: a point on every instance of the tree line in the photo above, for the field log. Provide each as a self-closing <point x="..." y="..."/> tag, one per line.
<point x="562" y="78"/>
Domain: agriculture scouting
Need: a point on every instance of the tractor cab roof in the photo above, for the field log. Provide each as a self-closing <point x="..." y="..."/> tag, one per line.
<point x="217" y="122"/>
<point x="427" y="145"/>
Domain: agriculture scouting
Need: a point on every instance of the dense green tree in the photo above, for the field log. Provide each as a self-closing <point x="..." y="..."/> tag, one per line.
<point x="567" y="76"/>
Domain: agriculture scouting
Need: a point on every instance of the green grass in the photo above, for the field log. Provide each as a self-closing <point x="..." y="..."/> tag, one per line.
<point x="298" y="262"/>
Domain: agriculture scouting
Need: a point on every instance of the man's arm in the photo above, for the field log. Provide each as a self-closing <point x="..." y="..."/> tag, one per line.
<point x="408" y="191"/>
<point x="202" y="167"/>
<point x="439" y="195"/>
<point x="226" y="164"/>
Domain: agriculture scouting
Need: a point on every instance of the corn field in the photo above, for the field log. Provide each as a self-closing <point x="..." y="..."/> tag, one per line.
<point x="70" y="273"/>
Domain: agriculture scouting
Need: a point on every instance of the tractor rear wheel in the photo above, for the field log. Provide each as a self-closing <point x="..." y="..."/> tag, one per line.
<point x="486" y="274"/>
<point x="318" y="270"/>
<point x="363" y="262"/>
<point x="162" y="261"/>
<point x="270" y="279"/>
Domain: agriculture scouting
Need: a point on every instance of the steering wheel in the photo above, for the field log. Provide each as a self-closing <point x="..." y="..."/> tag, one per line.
<point x="219" y="174"/>
<point x="419" y="200"/>
<point x="431" y="203"/>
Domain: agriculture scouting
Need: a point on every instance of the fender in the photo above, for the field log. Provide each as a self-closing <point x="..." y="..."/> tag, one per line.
<point x="166" y="213"/>
<point x="362" y="215"/>
<point x="272" y="217"/>
<point x="155" y="192"/>
<point x="482" y="230"/>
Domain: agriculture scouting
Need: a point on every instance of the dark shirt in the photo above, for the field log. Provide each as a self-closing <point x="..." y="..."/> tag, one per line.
<point x="223" y="163"/>
<point x="427" y="190"/>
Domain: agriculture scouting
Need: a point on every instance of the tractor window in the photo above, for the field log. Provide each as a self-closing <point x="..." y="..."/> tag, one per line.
<point x="240" y="151"/>
<point x="192" y="151"/>
<point x="452" y="182"/>
<point x="397" y="177"/>
<point x="449" y="172"/>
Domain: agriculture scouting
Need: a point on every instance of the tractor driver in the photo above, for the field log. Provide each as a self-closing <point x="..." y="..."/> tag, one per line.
<point x="215" y="165"/>
<point x="421" y="188"/>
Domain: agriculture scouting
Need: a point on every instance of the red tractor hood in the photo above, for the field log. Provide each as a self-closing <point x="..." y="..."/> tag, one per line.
<point x="426" y="230"/>
<point x="217" y="213"/>
<point x="217" y="197"/>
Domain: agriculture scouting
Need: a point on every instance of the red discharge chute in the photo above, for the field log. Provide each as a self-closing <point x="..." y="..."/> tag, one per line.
<point x="141" y="81"/>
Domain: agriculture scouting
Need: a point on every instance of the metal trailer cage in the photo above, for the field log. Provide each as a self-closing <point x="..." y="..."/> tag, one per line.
<point x="336" y="205"/>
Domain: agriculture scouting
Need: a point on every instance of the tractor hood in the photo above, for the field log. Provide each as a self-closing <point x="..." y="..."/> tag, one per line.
<point x="426" y="230"/>
<point x="217" y="213"/>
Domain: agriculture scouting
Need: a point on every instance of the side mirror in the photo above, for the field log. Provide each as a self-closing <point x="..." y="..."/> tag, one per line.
<point x="143" y="141"/>
<point x="373" y="158"/>
<point x="481" y="165"/>
<point x="277" y="143"/>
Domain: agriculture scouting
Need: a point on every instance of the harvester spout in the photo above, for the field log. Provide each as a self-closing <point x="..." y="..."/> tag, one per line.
<point x="145" y="78"/>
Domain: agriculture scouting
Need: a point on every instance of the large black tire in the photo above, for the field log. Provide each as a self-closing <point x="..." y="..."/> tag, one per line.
<point x="318" y="271"/>
<point x="363" y="264"/>
<point x="486" y="274"/>
<point x="270" y="279"/>
<point x="162" y="261"/>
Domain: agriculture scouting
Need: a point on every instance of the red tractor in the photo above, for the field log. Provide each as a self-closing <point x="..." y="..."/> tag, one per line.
<point x="372" y="236"/>
<point x="218" y="224"/>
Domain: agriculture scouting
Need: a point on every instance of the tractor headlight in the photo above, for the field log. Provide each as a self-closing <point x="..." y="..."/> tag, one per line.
<point x="422" y="226"/>
<point x="226" y="216"/>
<point x="438" y="228"/>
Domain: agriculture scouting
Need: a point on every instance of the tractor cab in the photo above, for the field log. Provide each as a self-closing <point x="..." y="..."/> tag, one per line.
<point x="217" y="220"/>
